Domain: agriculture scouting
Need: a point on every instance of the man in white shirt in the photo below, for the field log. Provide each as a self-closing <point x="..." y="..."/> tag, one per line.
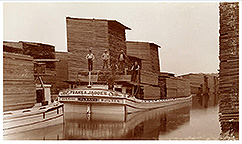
<point x="105" y="58"/>
<point x="122" y="60"/>
<point x="90" y="57"/>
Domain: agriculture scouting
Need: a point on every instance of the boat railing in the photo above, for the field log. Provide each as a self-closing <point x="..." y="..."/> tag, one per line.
<point x="33" y="109"/>
<point x="160" y="100"/>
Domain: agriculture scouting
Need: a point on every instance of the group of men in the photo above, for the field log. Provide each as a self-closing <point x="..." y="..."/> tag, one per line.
<point x="121" y="63"/>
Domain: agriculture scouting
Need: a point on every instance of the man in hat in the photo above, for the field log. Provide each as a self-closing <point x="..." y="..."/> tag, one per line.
<point x="90" y="57"/>
<point x="105" y="58"/>
<point x="121" y="60"/>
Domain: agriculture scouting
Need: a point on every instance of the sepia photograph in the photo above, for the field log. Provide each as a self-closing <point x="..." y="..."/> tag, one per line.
<point x="127" y="70"/>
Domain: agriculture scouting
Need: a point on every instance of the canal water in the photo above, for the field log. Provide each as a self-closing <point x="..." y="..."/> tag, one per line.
<point x="195" y="121"/>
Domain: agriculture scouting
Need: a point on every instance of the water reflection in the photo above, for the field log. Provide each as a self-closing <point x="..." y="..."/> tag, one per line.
<point x="201" y="101"/>
<point x="48" y="133"/>
<point x="198" y="120"/>
<point x="143" y="126"/>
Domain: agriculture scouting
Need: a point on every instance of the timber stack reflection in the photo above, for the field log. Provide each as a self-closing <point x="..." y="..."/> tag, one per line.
<point x="145" y="125"/>
<point x="201" y="101"/>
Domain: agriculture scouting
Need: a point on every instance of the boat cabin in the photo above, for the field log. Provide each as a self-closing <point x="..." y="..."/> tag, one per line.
<point x="109" y="80"/>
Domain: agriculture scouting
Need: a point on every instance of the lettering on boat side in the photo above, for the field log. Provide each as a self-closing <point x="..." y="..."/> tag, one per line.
<point x="68" y="98"/>
<point x="90" y="92"/>
<point x="103" y="100"/>
<point x="87" y="99"/>
<point x="111" y="100"/>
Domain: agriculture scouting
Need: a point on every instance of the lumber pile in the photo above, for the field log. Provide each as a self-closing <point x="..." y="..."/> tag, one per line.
<point x="173" y="87"/>
<point x="43" y="51"/>
<point x="148" y="77"/>
<point x="196" y="81"/>
<point x="208" y="82"/>
<point x="116" y="39"/>
<point x="212" y="83"/>
<point x="147" y="52"/>
<point x="12" y="47"/>
<point x="183" y="87"/>
<point x="151" y="92"/>
<point x="150" y="68"/>
<point x="229" y="68"/>
<point x="94" y="34"/>
<point x="62" y="70"/>
<point x="18" y="82"/>
<point x="37" y="51"/>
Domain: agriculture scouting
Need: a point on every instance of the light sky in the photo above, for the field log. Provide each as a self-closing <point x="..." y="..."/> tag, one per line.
<point x="187" y="32"/>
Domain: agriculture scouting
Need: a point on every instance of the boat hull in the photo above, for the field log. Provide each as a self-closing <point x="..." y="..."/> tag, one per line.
<point x="97" y="103"/>
<point x="94" y="108"/>
<point x="33" y="118"/>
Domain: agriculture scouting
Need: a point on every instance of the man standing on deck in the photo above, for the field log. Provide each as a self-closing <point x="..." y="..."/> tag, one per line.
<point x="105" y="58"/>
<point x="135" y="71"/>
<point x="121" y="60"/>
<point x="90" y="57"/>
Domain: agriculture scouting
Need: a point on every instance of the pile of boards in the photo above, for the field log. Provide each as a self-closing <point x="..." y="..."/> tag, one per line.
<point x="173" y="87"/>
<point x="45" y="69"/>
<point x="206" y="82"/>
<point x="229" y="67"/>
<point x="150" y="68"/>
<point x="96" y="35"/>
<point x="147" y="52"/>
<point x="18" y="81"/>
<point x="184" y="85"/>
<point x="62" y="70"/>
<point x="48" y="68"/>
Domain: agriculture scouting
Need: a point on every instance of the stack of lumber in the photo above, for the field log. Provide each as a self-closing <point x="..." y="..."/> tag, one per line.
<point x="183" y="87"/>
<point x="162" y="83"/>
<point x="38" y="50"/>
<point x="173" y="87"/>
<point x="18" y="82"/>
<point x="155" y="57"/>
<point x="229" y="67"/>
<point x="151" y="92"/>
<point x="149" y="77"/>
<point x="148" y="52"/>
<point x="43" y="51"/>
<point x="212" y="83"/>
<point x="94" y="34"/>
<point x="12" y="47"/>
<point x="62" y="70"/>
<point x="196" y="80"/>
<point x="116" y="39"/>
<point x="208" y="82"/>
<point x="150" y="68"/>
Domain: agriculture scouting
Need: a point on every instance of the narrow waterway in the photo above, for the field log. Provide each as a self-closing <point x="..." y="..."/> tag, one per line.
<point x="196" y="121"/>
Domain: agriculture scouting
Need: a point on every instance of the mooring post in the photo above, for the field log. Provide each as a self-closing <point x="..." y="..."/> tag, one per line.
<point x="89" y="81"/>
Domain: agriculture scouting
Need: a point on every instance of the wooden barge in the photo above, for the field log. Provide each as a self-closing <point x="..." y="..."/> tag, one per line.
<point x="97" y="100"/>
<point x="32" y="118"/>
<point x="125" y="97"/>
